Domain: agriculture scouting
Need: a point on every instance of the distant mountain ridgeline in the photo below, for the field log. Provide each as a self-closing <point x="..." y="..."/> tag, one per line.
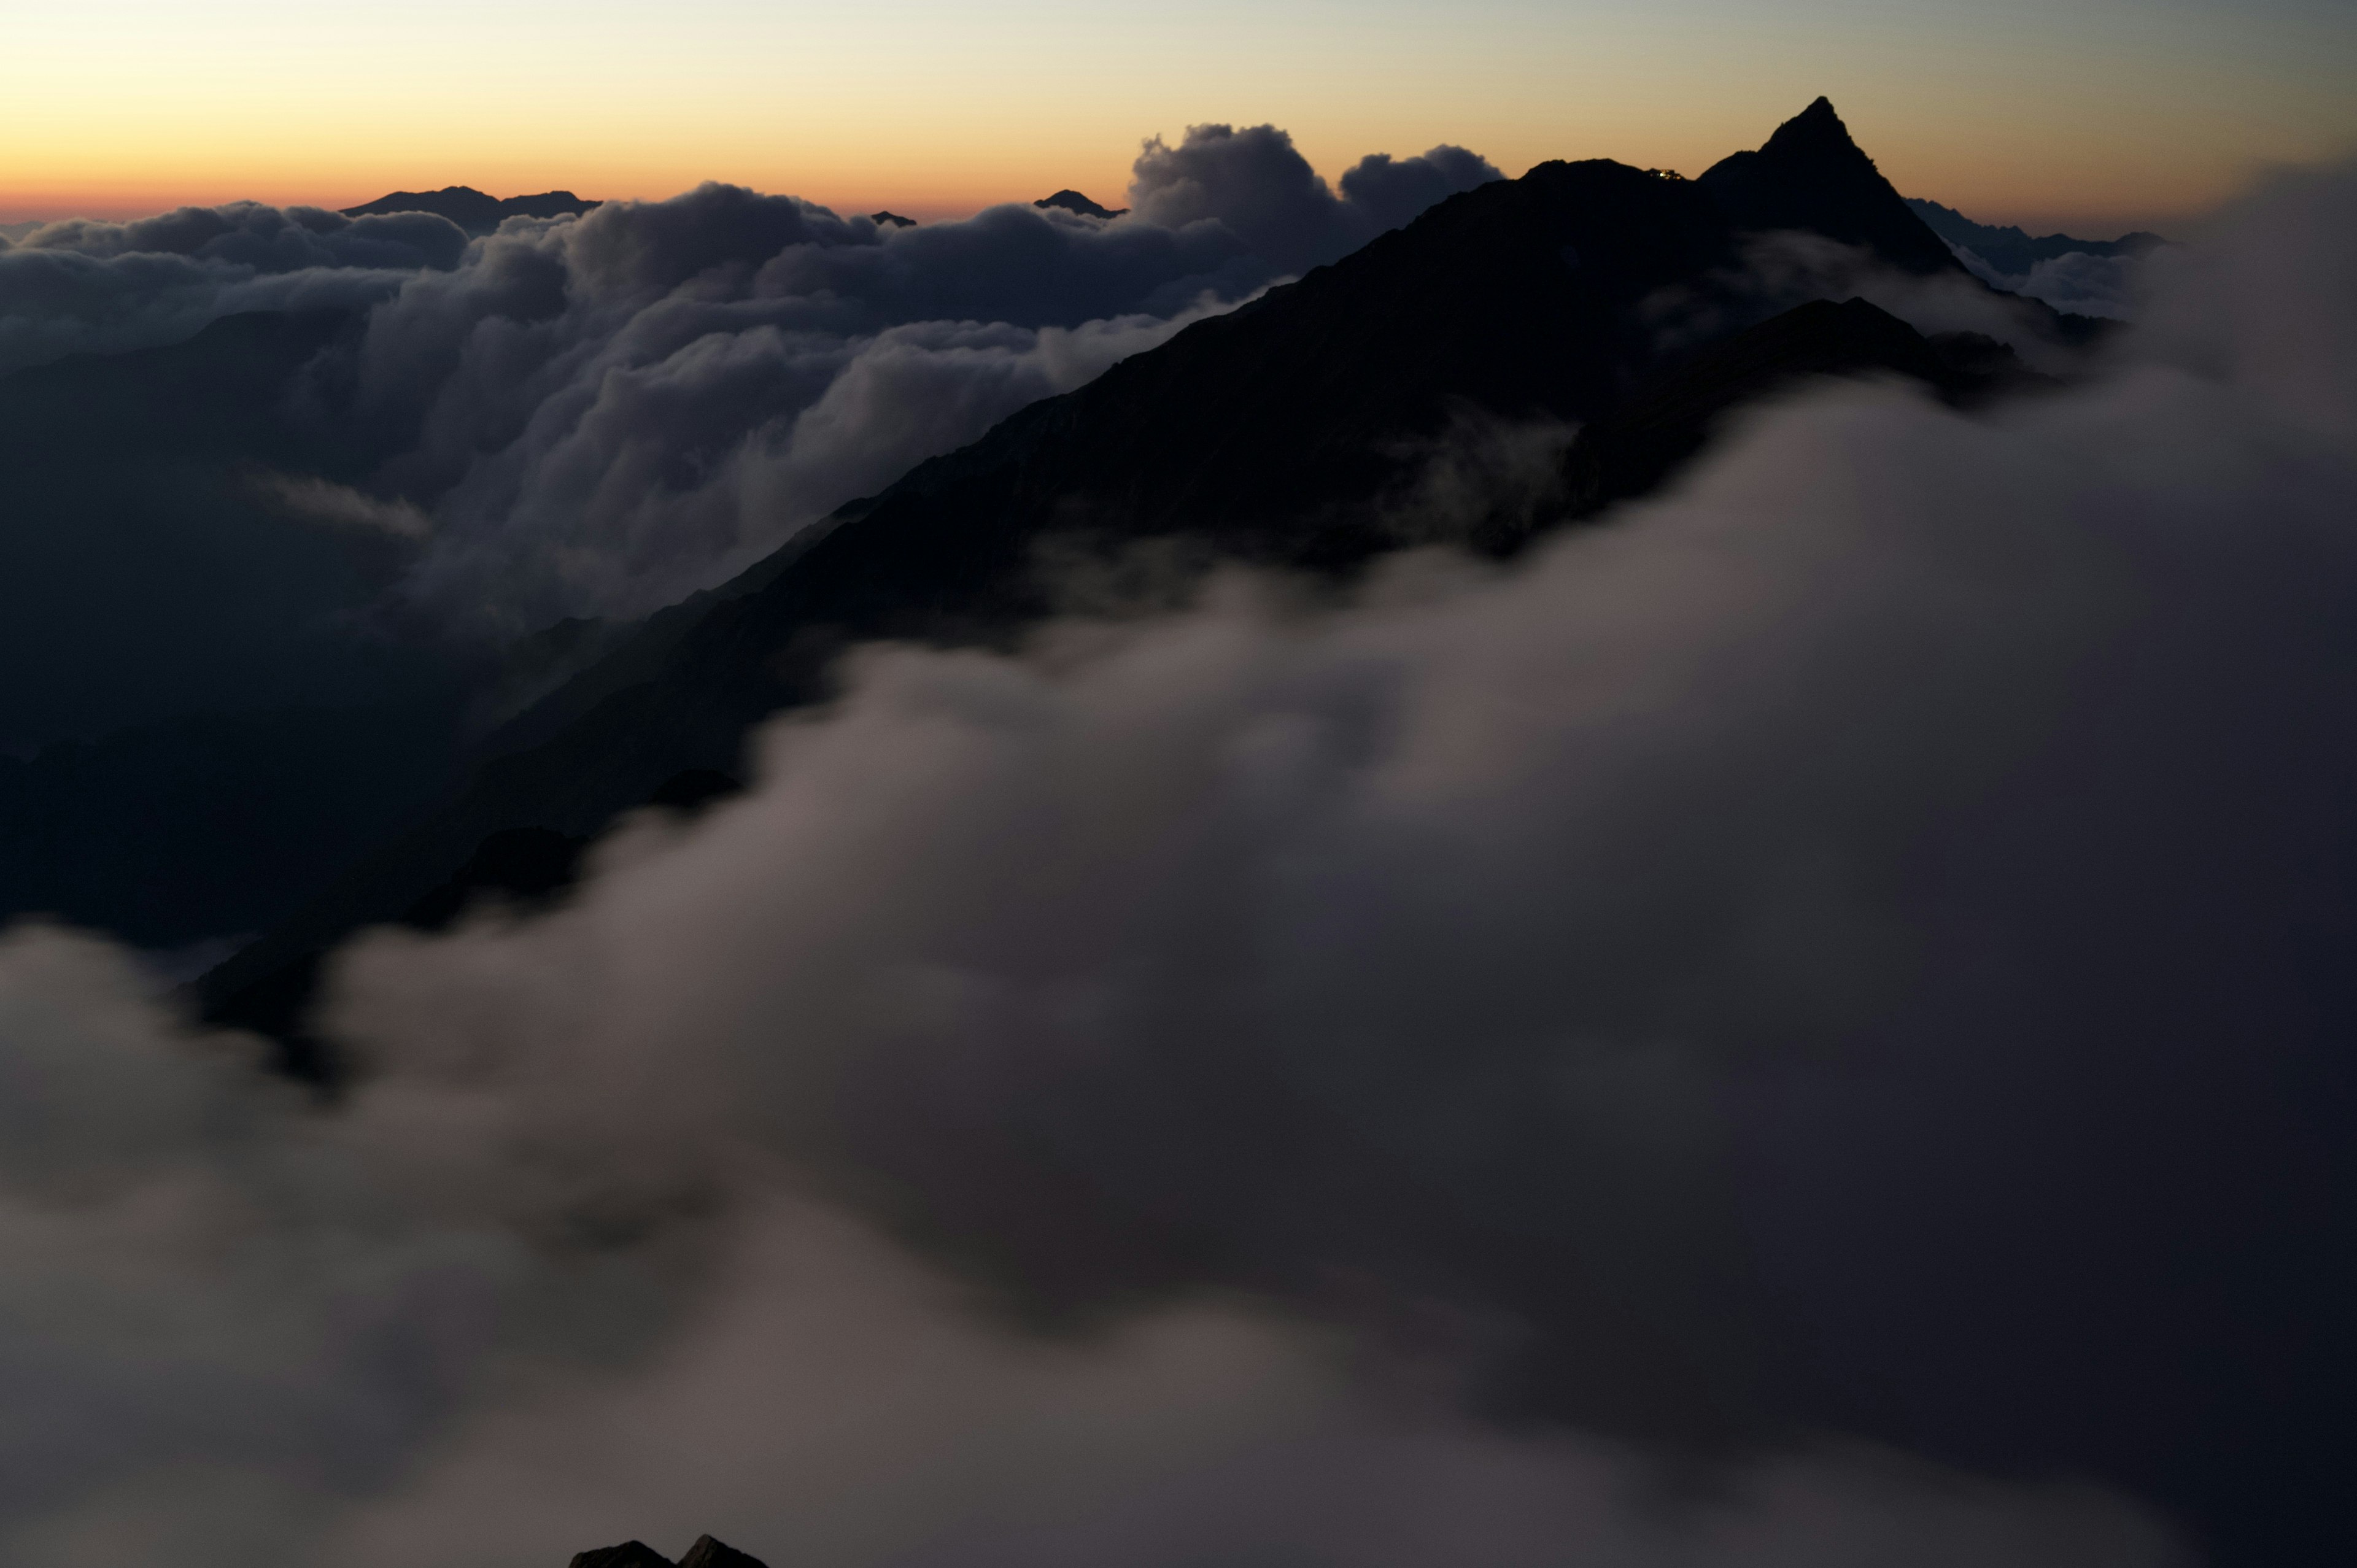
<point x="478" y="213"/>
<point x="2011" y="250"/>
<point x="471" y="209"/>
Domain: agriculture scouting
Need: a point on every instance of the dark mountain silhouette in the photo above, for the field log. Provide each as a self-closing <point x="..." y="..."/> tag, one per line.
<point x="894" y="218"/>
<point x="706" y="1553"/>
<point x="1074" y="201"/>
<point x="2012" y="251"/>
<point x="629" y="1554"/>
<point x="471" y="209"/>
<point x="1810" y="176"/>
<point x="1281" y="433"/>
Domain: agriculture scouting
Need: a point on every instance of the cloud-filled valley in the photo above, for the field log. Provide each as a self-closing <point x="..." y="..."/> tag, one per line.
<point x="1795" y="1017"/>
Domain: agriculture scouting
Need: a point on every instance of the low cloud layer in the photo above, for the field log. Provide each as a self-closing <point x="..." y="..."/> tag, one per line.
<point x="596" y="416"/>
<point x="1254" y="183"/>
<point x="1844" y="957"/>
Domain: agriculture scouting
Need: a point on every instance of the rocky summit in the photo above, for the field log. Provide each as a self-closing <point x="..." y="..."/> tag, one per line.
<point x="706" y="1552"/>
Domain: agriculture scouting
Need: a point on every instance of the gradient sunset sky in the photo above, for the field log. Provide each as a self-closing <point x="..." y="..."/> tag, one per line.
<point x="2087" y="114"/>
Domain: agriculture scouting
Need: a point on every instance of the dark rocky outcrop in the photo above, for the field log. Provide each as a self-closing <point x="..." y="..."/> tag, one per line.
<point x="892" y="219"/>
<point x="709" y="1553"/>
<point x="629" y="1554"/>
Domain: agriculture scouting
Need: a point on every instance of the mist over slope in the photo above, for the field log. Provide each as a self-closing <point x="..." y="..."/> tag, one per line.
<point x="1800" y="1025"/>
<point x="1426" y="387"/>
<point x="2094" y="277"/>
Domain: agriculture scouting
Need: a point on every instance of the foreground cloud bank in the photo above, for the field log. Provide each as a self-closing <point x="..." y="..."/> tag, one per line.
<point x="1852" y="948"/>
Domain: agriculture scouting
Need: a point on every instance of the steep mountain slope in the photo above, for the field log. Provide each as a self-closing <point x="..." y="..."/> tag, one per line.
<point x="1283" y="432"/>
<point x="1812" y="175"/>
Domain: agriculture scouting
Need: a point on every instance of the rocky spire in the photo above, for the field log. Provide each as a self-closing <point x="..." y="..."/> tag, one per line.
<point x="1812" y="175"/>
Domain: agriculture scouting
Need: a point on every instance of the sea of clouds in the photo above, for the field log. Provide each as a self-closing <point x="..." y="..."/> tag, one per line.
<point x="1742" y="1038"/>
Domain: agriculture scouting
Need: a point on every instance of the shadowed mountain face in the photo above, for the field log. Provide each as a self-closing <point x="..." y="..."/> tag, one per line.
<point x="1812" y="176"/>
<point x="165" y="477"/>
<point x="470" y="208"/>
<point x="202" y="744"/>
<point x="2009" y="249"/>
<point x="1290" y="432"/>
<point x="1668" y="420"/>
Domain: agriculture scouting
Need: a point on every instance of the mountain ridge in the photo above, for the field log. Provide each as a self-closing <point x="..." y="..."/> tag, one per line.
<point x="1811" y="174"/>
<point x="1279" y="432"/>
<point x="2012" y="250"/>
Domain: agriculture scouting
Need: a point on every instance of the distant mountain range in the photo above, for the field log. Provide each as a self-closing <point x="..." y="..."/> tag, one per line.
<point x="2012" y="251"/>
<point x="1287" y="432"/>
<point x="478" y="213"/>
<point x="471" y="209"/>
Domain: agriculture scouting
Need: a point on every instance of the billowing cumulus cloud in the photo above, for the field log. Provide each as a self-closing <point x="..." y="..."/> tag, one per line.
<point x="1852" y="946"/>
<point x="1253" y="182"/>
<point x="83" y="287"/>
<point x="615" y="411"/>
<point x="266" y="239"/>
<point x="645" y="437"/>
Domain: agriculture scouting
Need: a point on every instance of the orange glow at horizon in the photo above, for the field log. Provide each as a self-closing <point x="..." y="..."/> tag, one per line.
<point x="2047" y="116"/>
